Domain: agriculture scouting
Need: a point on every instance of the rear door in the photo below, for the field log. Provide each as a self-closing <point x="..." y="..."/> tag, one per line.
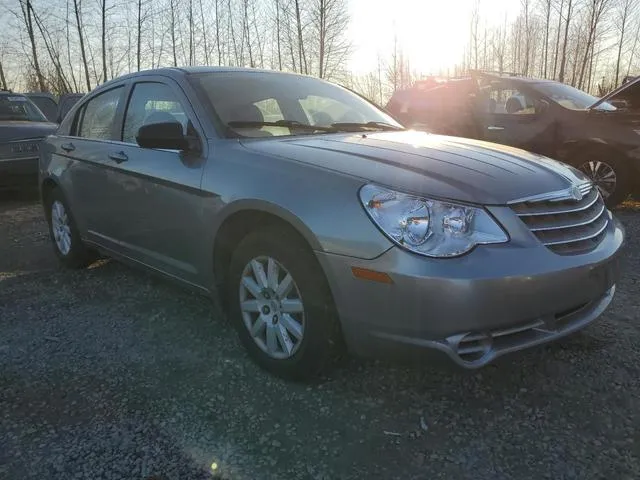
<point x="155" y="194"/>
<point x="514" y="115"/>
<point x="92" y="133"/>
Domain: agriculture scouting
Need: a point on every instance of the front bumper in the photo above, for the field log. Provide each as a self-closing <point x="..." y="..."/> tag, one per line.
<point x="494" y="300"/>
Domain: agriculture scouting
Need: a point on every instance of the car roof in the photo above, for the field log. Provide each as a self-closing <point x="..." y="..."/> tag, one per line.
<point x="176" y="72"/>
<point x="512" y="76"/>
<point x="6" y="93"/>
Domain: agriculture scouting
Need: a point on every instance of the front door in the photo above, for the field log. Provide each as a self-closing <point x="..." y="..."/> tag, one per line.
<point x="516" y="117"/>
<point x="157" y="194"/>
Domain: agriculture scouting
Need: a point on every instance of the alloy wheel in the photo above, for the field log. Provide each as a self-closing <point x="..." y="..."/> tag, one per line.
<point x="60" y="227"/>
<point x="272" y="307"/>
<point x="603" y="176"/>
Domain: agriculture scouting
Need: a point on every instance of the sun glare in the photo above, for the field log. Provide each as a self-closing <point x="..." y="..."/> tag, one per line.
<point x="431" y="33"/>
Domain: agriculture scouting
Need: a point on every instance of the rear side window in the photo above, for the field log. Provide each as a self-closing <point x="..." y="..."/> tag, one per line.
<point x="151" y="102"/>
<point x="98" y="115"/>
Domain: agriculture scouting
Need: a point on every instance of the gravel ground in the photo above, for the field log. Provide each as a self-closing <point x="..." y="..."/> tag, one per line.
<point x="109" y="373"/>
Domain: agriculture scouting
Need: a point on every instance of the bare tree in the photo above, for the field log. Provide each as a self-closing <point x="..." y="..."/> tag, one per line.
<point x="204" y="34"/>
<point x="172" y="26"/>
<point x="527" y="36"/>
<point x="475" y="19"/>
<point x="555" y="56"/>
<point x="301" y="51"/>
<point x="78" y="15"/>
<point x="547" y="11"/>
<point x="597" y="9"/>
<point x="59" y="82"/>
<point x="563" y="59"/>
<point x="624" y="11"/>
<point x="103" y="37"/>
<point x="27" y="13"/>
<point x="329" y="22"/>
<point x="218" y="32"/>
<point x="3" y="79"/>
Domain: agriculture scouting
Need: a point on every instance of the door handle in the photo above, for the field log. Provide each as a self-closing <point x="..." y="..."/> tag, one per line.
<point x="494" y="128"/>
<point x="118" y="157"/>
<point x="68" y="147"/>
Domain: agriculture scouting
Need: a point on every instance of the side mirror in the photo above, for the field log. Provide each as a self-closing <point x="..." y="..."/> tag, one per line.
<point x="167" y="135"/>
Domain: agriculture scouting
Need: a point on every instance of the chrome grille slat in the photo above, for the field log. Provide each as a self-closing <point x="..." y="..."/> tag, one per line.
<point x="592" y="217"/>
<point x="555" y="208"/>
<point x="582" y="238"/>
<point x="565" y="225"/>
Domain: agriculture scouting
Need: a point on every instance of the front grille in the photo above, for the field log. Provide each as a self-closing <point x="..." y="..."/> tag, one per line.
<point x="567" y="226"/>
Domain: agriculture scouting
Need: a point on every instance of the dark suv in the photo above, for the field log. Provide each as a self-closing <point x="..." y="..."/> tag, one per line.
<point x="601" y="137"/>
<point x="22" y="128"/>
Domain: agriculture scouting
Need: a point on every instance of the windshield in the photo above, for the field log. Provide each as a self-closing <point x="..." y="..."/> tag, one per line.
<point x="244" y="100"/>
<point x="18" y="108"/>
<point x="570" y="97"/>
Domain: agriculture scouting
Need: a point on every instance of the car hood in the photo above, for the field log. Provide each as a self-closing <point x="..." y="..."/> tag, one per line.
<point x="12" y="131"/>
<point x="432" y="165"/>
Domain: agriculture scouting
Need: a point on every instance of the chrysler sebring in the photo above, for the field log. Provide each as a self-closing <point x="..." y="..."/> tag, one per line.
<point x="317" y="221"/>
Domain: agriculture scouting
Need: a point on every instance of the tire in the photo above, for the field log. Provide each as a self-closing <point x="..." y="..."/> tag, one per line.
<point x="609" y="173"/>
<point x="296" y="358"/>
<point x="71" y="251"/>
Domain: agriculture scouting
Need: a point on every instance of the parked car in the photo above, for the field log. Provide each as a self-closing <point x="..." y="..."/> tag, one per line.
<point x="598" y="136"/>
<point x="328" y="222"/>
<point x="22" y="128"/>
<point x="54" y="110"/>
<point x="47" y="104"/>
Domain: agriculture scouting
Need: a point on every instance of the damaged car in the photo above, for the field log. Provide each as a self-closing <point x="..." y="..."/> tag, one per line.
<point x="599" y="136"/>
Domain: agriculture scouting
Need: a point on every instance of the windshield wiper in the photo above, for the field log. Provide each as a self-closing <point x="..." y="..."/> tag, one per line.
<point x="355" y="126"/>
<point x="294" y="124"/>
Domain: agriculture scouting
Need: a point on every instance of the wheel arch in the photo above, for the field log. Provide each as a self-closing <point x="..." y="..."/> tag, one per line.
<point x="571" y="148"/>
<point x="242" y="218"/>
<point x="46" y="187"/>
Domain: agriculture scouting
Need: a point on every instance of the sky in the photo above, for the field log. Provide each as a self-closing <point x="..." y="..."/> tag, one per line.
<point x="432" y="32"/>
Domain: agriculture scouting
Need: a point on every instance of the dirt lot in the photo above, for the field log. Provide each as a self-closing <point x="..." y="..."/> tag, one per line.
<point x="109" y="373"/>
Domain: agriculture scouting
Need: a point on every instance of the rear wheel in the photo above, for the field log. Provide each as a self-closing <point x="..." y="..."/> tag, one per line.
<point x="281" y="305"/>
<point x="609" y="174"/>
<point x="64" y="233"/>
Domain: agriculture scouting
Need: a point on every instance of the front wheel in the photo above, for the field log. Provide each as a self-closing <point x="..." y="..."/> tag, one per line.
<point x="281" y="305"/>
<point x="609" y="174"/>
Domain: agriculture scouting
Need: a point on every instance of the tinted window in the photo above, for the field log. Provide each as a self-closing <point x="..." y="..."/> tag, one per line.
<point x="508" y="101"/>
<point x="47" y="106"/>
<point x="569" y="97"/>
<point x="151" y="103"/>
<point x="98" y="115"/>
<point x="19" y="108"/>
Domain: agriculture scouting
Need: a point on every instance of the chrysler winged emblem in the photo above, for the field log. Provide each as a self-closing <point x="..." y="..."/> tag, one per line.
<point x="575" y="193"/>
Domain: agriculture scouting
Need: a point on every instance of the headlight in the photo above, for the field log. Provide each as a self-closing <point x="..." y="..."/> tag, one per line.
<point x="429" y="227"/>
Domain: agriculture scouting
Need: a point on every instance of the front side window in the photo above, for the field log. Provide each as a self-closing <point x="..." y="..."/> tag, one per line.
<point x="508" y="101"/>
<point x="244" y="100"/>
<point x="18" y="108"/>
<point x="151" y="102"/>
<point x="98" y="116"/>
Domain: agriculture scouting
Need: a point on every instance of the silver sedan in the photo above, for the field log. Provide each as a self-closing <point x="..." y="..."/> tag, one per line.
<point x="317" y="221"/>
